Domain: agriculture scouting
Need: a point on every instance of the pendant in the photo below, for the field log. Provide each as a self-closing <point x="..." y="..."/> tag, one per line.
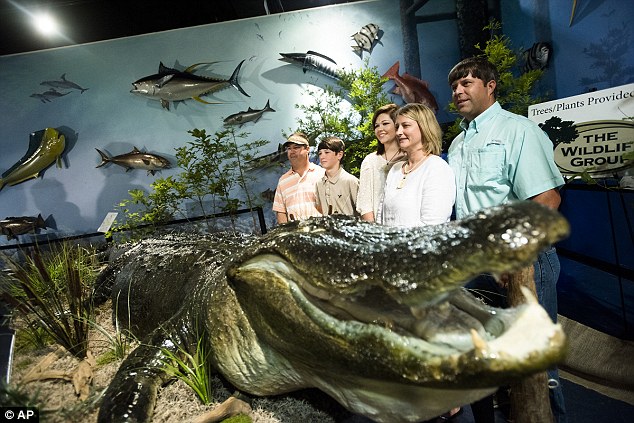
<point x="401" y="184"/>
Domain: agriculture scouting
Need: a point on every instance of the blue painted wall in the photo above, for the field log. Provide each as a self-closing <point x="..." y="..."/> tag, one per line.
<point x="108" y="116"/>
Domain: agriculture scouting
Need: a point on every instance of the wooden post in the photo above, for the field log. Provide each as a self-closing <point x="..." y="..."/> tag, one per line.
<point x="529" y="397"/>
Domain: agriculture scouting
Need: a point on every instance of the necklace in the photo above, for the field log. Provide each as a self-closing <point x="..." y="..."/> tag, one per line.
<point x="406" y="172"/>
<point x="390" y="162"/>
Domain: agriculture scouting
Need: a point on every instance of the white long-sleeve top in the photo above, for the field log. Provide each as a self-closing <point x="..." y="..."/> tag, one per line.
<point x="426" y="197"/>
<point x="374" y="169"/>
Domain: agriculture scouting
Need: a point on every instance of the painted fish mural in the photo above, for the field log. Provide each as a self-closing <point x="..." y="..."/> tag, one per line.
<point x="313" y="61"/>
<point x="136" y="159"/>
<point x="374" y="316"/>
<point x="410" y="88"/>
<point x="45" y="147"/>
<point x="251" y="115"/>
<point x="173" y="85"/>
<point x="14" y="226"/>
<point x="48" y="95"/>
<point x="538" y="56"/>
<point x="64" y="84"/>
<point x="365" y="38"/>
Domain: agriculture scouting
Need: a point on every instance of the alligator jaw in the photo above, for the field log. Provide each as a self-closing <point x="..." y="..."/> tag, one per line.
<point x="424" y="376"/>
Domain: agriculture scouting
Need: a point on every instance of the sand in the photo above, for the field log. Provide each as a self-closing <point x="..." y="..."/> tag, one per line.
<point x="176" y="402"/>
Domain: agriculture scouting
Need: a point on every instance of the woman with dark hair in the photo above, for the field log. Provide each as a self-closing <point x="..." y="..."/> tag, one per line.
<point x="375" y="166"/>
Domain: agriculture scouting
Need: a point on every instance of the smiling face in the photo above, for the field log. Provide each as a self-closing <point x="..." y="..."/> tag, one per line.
<point x="472" y="96"/>
<point x="408" y="134"/>
<point x="385" y="129"/>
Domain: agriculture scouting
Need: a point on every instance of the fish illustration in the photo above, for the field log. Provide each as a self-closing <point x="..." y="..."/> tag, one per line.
<point x="43" y="150"/>
<point x="64" y="84"/>
<point x="268" y="194"/>
<point x="313" y="61"/>
<point x="410" y="88"/>
<point x="11" y="227"/>
<point x="173" y="85"/>
<point x="49" y="95"/>
<point x="538" y="56"/>
<point x="268" y="159"/>
<point x="365" y="38"/>
<point x="251" y="115"/>
<point x="136" y="159"/>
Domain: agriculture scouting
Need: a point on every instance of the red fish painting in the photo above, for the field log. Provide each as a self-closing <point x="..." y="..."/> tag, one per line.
<point x="410" y="88"/>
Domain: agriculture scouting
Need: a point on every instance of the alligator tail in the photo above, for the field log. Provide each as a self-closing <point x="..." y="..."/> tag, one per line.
<point x="233" y="80"/>
<point x="104" y="158"/>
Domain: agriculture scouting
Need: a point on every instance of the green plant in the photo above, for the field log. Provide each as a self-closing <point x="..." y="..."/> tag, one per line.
<point x="193" y="369"/>
<point x="346" y="111"/>
<point x="19" y="396"/>
<point x="211" y="169"/>
<point x="56" y="291"/>
<point x="121" y="341"/>
<point x="31" y="336"/>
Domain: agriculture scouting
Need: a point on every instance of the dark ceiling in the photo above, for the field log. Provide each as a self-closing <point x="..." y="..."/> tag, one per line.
<point x="86" y="21"/>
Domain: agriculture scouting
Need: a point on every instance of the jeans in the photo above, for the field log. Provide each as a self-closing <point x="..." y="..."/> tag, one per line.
<point x="546" y="274"/>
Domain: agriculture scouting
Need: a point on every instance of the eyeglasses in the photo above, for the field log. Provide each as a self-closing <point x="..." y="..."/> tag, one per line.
<point x="294" y="147"/>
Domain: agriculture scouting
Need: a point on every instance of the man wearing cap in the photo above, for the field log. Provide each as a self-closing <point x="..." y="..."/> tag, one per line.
<point x="295" y="196"/>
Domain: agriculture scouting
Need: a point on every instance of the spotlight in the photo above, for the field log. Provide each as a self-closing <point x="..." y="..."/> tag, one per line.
<point x="45" y="24"/>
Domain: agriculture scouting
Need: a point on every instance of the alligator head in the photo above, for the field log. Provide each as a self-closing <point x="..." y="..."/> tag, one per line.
<point x="374" y="316"/>
<point x="377" y="318"/>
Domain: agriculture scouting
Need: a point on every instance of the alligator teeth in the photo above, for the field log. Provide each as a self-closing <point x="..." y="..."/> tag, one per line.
<point x="480" y="346"/>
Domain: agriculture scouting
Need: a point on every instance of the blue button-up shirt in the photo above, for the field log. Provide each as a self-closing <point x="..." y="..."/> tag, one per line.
<point x="500" y="157"/>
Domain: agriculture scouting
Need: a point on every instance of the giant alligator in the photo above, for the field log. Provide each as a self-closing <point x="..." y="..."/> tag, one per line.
<point x="374" y="316"/>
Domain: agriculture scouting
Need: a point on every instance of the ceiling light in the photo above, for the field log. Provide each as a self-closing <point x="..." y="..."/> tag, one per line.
<point x="45" y="24"/>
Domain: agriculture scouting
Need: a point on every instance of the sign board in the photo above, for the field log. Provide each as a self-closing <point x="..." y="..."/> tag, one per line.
<point x="107" y="222"/>
<point x="590" y="132"/>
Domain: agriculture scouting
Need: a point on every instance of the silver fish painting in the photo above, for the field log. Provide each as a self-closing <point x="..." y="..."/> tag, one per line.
<point x="45" y="147"/>
<point x="365" y="38"/>
<point x="136" y="159"/>
<point x="251" y="115"/>
<point x="313" y="61"/>
<point x="64" y="84"/>
<point x="173" y="85"/>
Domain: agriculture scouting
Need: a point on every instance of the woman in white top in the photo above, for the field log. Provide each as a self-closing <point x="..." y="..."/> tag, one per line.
<point x="375" y="166"/>
<point x="422" y="190"/>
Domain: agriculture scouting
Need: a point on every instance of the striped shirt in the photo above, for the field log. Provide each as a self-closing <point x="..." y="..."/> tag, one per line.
<point x="295" y="194"/>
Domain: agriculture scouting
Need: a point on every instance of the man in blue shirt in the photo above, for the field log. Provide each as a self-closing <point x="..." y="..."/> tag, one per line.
<point x="500" y="157"/>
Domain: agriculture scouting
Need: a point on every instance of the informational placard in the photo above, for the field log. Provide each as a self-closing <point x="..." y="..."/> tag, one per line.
<point x="107" y="222"/>
<point x="592" y="133"/>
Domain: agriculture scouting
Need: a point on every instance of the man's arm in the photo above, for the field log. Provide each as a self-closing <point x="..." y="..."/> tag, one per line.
<point x="550" y="198"/>
<point x="281" y="217"/>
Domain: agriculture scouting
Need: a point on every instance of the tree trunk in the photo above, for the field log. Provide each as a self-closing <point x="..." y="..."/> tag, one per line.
<point x="529" y="397"/>
<point x="411" y="53"/>
<point x="472" y="17"/>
